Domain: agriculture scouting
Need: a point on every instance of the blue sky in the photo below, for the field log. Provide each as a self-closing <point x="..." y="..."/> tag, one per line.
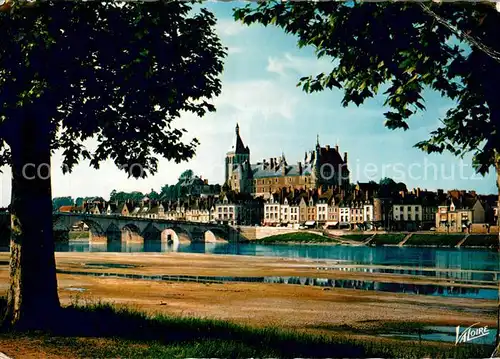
<point x="259" y="92"/>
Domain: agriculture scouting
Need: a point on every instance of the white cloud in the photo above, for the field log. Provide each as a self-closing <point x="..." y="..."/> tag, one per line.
<point x="229" y="27"/>
<point x="263" y="98"/>
<point x="245" y="102"/>
<point x="302" y="65"/>
<point x="234" y="50"/>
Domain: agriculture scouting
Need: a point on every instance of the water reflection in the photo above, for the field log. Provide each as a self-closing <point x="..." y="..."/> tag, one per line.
<point x="445" y="258"/>
<point x="421" y="289"/>
<point x="442" y="334"/>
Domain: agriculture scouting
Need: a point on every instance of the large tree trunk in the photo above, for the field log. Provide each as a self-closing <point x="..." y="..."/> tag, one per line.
<point x="497" y="167"/>
<point x="32" y="299"/>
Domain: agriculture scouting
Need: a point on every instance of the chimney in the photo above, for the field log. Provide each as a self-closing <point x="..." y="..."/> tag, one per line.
<point x="337" y="148"/>
<point x="345" y="157"/>
<point x="300" y="168"/>
<point x="272" y="163"/>
<point x="327" y="147"/>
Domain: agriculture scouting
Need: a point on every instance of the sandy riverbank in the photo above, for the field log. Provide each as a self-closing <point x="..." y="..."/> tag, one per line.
<point x="288" y="306"/>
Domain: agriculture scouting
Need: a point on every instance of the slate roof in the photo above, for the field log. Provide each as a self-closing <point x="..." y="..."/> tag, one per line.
<point x="239" y="147"/>
<point x="258" y="171"/>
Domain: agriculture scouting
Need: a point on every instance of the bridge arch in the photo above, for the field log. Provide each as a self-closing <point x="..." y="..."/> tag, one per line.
<point x="215" y="235"/>
<point x="176" y="235"/>
<point x="131" y="233"/>
<point x="113" y="233"/>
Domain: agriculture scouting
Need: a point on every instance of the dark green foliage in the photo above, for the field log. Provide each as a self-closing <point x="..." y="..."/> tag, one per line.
<point x="186" y="175"/>
<point x="387" y="238"/>
<point x="153" y="195"/>
<point x="440" y="240"/>
<point x="124" y="196"/>
<point x="296" y="238"/>
<point x="117" y="74"/>
<point x="404" y="49"/>
<point x="481" y="240"/>
<point x="389" y="188"/>
<point x="356" y="237"/>
<point x="58" y="202"/>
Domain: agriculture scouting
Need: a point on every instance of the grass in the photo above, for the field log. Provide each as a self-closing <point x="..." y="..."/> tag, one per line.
<point x="78" y="235"/>
<point x="303" y="237"/>
<point x="481" y="240"/>
<point x="124" y="332"/>
<point x="440" y="240"/>
<point x="356" y="237"/>
<point x="389" y="238"/>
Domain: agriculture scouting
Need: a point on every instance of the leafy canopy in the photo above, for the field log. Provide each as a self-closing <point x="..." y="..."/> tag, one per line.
<point x="119" y="73"/>
<point x="405" y="48"/>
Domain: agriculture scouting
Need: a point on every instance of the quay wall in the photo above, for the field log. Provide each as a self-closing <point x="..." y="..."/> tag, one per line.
<point x="253" y="233"/>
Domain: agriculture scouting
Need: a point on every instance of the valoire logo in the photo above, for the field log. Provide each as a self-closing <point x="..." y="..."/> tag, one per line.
<point x="471" y="333"/>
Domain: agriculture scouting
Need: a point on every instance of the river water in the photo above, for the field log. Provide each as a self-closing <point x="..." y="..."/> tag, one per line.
<point x="416" y="257"/>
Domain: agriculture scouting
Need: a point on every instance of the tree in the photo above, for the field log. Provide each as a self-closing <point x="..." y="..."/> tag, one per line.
<point x="153" y="195"/>
<point x="58" y="202"/>
<point x="406" y="48"/>
<point x="186" y="175"/>
<point x="71" y="71"/>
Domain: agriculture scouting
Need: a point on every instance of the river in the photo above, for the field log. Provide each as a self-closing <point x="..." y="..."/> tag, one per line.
<point x="416" y="257"/>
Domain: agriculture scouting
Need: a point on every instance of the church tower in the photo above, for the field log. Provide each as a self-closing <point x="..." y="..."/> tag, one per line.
<point x="316" y="166"/>
<point x="237" y="156"/>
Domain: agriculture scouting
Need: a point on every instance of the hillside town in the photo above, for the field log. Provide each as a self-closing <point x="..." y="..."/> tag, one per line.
<point x="275" y="193"/>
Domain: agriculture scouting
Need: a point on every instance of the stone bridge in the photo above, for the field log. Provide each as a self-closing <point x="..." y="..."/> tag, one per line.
<point x="105" y="228"/>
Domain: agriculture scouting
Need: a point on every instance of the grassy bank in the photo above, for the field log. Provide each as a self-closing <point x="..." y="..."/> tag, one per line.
<point x="102" y="330"/>
<point x="389" y="238"/>
<point x="439" y="240"/>
<point x="78" y="235"/>
<point x="481" y="240"/>
<point x="356" y="237"/>
<point x="298" y="237"/>
<point x="380" y="239"/>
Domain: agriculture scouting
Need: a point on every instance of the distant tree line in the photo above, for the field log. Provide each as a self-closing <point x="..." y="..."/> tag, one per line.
<point x="167" y="193"/>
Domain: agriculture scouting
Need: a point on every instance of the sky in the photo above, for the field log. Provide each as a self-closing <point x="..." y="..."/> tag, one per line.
<point x="275" y="116"/>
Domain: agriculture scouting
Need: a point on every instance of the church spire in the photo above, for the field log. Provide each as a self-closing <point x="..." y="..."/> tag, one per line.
<point x="240" y="147"/>
<point x="317" y="139"/>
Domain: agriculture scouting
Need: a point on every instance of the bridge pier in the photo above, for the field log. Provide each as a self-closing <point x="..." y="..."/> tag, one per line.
<point x="131" y="237"/>
<point x="114" y="236"/>
<point x="198" y="236"/>
<point x="152" y="236"/>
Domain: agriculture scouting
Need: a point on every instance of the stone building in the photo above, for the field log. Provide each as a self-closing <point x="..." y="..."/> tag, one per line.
<point x="322" y="167"/>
